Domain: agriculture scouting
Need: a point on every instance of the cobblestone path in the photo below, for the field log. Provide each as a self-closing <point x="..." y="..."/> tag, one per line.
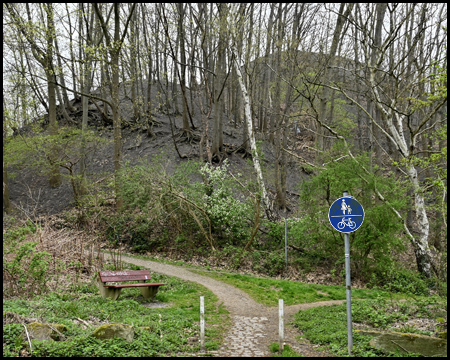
<point x="244" y="338"/>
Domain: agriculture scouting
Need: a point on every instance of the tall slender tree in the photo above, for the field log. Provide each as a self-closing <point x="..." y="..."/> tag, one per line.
<point x="114" y="48"/>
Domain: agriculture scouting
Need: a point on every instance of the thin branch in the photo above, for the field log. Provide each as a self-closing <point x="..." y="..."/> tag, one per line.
<point x="300" y="158"/>
<point x="28" y="337"/>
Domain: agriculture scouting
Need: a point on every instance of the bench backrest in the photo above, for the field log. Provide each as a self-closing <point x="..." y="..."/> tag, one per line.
<point x="124" y="275"/>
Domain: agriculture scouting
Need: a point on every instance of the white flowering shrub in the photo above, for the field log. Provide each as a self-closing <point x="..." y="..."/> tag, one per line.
<point x="230" y="214"/>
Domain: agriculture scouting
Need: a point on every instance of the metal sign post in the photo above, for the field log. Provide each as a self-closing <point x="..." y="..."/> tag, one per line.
<point x="348" y="294"/>
<point x="285" y="241"/>
<point x="347" y="215"/>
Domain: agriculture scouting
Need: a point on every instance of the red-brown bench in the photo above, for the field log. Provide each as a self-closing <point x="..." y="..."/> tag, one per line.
<point x="148" y="290"/>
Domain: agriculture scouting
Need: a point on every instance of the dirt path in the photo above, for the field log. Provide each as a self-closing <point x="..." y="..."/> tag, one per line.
<point x="254" y="326"/>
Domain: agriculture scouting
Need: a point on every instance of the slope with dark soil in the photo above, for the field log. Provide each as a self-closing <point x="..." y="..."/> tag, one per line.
<point x="30" y="191"/>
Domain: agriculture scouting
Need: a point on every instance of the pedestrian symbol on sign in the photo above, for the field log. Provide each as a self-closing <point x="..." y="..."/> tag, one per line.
<point x="344" y="206"/>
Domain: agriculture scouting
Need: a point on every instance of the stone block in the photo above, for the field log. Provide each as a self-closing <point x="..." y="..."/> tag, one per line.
<point x="111" y="331"/>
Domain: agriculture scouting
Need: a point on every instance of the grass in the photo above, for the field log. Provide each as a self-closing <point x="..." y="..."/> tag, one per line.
<point x="267" y="291"/>
<point x="331" y="331"/>
<point x="287" y="351"/>
<point x="167" y="329"/>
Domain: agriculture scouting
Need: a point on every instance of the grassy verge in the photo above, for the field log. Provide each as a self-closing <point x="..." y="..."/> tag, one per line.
<point x="327" y="325"/>
<point x="267" y="291"/>
<point x="331" y="331"/>
<point x="159" y="331"/>
<point x="287" y="351"/>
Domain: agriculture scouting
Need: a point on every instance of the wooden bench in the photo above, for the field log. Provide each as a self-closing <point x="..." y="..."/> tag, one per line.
<point x="148" y="290"/>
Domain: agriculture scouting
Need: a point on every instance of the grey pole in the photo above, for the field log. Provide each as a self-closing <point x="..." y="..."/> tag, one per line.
<point x="348" y="291"/>
<point x="285" y="240"/>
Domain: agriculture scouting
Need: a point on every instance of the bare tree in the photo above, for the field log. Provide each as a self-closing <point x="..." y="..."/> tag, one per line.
<point x="45" y="58"/>
<point x="394" y="74"/>
<point x="114" y="47"/>
<point x="238" y="64"/>
<point x="329" y="63"/>
<point x="219" y="84"/>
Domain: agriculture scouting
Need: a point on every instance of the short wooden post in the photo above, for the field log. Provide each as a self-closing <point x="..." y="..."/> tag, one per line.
<point x="202" y="323"/>
<point x="281" y="324"/>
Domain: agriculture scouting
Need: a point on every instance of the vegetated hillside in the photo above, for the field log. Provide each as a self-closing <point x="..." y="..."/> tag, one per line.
<point x="183" y="230"/>
<point x="30" y="190"/>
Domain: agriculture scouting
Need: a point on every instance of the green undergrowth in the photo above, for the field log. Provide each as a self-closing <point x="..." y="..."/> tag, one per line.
<point x="287" y="351"/>
<point x="167" y="330"/>
<point x="330" y="332"/>
<point x="267" y="291"/>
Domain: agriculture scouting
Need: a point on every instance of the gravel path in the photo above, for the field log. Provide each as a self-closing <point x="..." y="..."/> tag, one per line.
<point x="254" y="326"/>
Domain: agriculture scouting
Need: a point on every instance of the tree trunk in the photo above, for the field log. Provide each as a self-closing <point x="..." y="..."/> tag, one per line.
<point x="249" y="123"/>
<point x="55" y="176"/>
<point x="7" y="207"/>
<point x="329" y="61"/>
<point x="114" y="47"/>
<point x="276" y="119"/>
<point x="181" y="37"/>
<point x="149" y="77"/>
<point x="217" y="143"/>
<point x="420" y="243"/>
<point x="263" y="123"/>
<point x="133" y="67"/>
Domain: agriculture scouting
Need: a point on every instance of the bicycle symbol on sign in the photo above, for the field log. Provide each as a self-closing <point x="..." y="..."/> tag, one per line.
<point x="351" y="224"/>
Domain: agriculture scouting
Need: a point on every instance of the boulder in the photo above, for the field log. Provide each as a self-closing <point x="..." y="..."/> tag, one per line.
<point x="42" y="331"/>
<point x="111" y="331"/>
<point x="407" y="343"/>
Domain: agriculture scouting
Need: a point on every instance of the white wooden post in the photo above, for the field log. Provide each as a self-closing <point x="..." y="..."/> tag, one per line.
<point x="281" y="324"/>
<point x="202" y="323"/>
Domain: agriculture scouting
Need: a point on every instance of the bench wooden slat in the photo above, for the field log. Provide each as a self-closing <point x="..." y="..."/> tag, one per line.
<point x="127" y="275"/>
<point x="133" y="285"/>
<point x="124" y="278"/>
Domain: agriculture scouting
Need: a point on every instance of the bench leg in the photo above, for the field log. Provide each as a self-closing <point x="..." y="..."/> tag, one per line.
<point x="111" y="293"/>
<point x="149" y="292"/>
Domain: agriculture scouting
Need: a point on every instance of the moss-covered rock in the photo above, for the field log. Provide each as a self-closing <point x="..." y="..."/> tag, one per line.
<point x="41" y="331"/>
<point x="407" y="343"/>
<point x="110" y="331"/>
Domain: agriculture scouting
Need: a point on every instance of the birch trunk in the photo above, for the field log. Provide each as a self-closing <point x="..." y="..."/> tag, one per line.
<point x="420" y="242"/>
<point x="248" y="119"/>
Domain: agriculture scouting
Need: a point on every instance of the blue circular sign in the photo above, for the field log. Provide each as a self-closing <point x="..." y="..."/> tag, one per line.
<point x="346" y="214"/>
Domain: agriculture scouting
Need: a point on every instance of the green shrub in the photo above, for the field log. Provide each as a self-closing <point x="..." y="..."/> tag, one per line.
<point x="374" y="244"/>
<point x="229" y="213"/>
<point x="24" y="268"/>
<point x="275" y="239"/>
<point x="274" y="263"/>
<point x="135" y="230"/>
<point x="13" y="338"/>
<point x="211" y="210"/>
<point x="400" y="280"/>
